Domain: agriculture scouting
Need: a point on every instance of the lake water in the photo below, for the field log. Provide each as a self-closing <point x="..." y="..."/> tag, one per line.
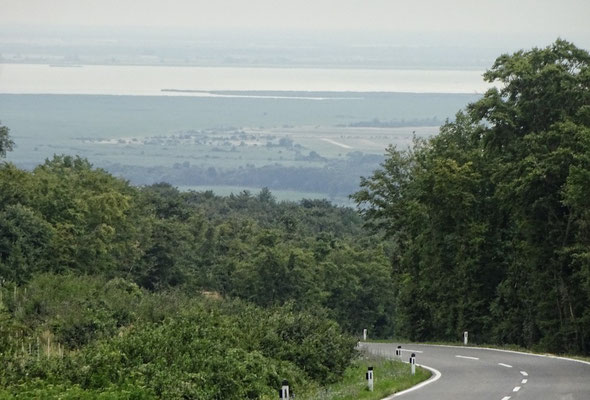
<point x="150" y="80"/>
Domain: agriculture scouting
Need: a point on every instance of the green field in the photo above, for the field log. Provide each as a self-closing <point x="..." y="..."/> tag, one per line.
<point x="194" y="141"/>
<point x="279" y="195"/>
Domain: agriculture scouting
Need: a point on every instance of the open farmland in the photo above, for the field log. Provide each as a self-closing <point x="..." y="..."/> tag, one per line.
<point x="291" y="142"/>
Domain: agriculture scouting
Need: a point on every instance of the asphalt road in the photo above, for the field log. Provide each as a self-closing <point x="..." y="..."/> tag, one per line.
<point x="470" y="373"/>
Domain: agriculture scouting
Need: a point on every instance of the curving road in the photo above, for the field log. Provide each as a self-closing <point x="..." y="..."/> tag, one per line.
<point x="471" y="373"/>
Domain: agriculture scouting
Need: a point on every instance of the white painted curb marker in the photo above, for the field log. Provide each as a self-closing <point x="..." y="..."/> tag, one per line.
<point x="370" y="378"/>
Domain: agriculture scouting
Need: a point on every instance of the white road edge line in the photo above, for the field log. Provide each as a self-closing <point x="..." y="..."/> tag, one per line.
<point x="524" y="373"/>
<point x="435" y="377"/>
<point x="505" y="365"/>
<point x="467" y="357"/>
<point x="516" y="389"/>
<point x="524" y="381"/>
<point x="412" y="351"/>
<point x="506" y="398"/>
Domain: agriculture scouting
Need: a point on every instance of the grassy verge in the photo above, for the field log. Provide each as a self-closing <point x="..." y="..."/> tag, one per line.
<point x="390" y="376"/>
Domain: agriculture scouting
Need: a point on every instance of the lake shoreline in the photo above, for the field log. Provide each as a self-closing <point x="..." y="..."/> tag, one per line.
<point x="150" y="80"/>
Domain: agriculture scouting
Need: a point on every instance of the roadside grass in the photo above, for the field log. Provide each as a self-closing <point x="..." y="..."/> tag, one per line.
<point x="390" y="376"/>
<point x="511" y="347"/>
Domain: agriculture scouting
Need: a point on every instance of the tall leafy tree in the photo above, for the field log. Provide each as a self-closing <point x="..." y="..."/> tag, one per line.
<point x="25" y="243"/>
<point x="6" y="142"/>
<point x="92" y="213"/>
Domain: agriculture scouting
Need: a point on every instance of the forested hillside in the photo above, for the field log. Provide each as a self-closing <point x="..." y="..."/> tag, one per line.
<point x="490" y="220"/>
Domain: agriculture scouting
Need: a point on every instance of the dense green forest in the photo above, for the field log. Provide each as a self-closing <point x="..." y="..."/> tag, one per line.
<point x="490" y="220"/>
<point x="109" y="289"/>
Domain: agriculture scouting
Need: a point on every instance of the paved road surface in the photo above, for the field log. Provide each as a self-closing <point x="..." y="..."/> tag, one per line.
<point x="469" y="373"/>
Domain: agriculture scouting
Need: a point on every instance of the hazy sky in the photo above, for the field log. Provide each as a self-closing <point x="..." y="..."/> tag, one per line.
<point x="553" y="18"/>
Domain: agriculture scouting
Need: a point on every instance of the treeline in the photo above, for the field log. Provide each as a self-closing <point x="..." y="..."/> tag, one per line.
<point x="333" y="179"/>
<point x="149" y="292"/>
<point x="377" y="123"/>
<point x="490" y="220"/>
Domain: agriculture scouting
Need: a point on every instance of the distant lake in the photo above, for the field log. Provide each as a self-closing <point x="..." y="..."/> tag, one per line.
<point x="150" y="80"/>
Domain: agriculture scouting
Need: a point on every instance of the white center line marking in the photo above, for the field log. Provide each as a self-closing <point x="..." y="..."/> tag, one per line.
<point x="506" y="398"/>
<point x="467" y="357"/>
<point x="524" y="373"/>
<point x="516" y="389"/>
<point x="524" y="381"/>
<point x="505" y="365"/>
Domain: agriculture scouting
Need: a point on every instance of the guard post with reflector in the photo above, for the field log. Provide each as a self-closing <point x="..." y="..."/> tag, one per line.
<point x="284" y="391"/>
<point x="413" y="363"/>
<point x="370" y="378"/>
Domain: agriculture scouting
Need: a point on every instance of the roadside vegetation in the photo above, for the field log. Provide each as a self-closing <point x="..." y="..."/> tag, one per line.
<point x="86" y="336"/>
<point x="390" y="376"/>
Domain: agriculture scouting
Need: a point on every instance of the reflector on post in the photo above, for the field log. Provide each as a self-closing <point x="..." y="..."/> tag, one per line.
<point x="413" y="363"/>
<point x="284" y="391"/>
<point x="370" y="378"/>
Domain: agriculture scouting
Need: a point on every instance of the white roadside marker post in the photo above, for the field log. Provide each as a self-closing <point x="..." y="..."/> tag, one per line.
<point x="364" y="334"/>
<point x="465" y="337"/>
<point x="284" y="391"/>
<point x="370" y="378"/>
<point x="398" y="352"/>
<point x="413" y="363"/>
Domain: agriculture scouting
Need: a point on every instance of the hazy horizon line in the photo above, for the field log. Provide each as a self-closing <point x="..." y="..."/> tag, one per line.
<point x="418" y="37"/>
